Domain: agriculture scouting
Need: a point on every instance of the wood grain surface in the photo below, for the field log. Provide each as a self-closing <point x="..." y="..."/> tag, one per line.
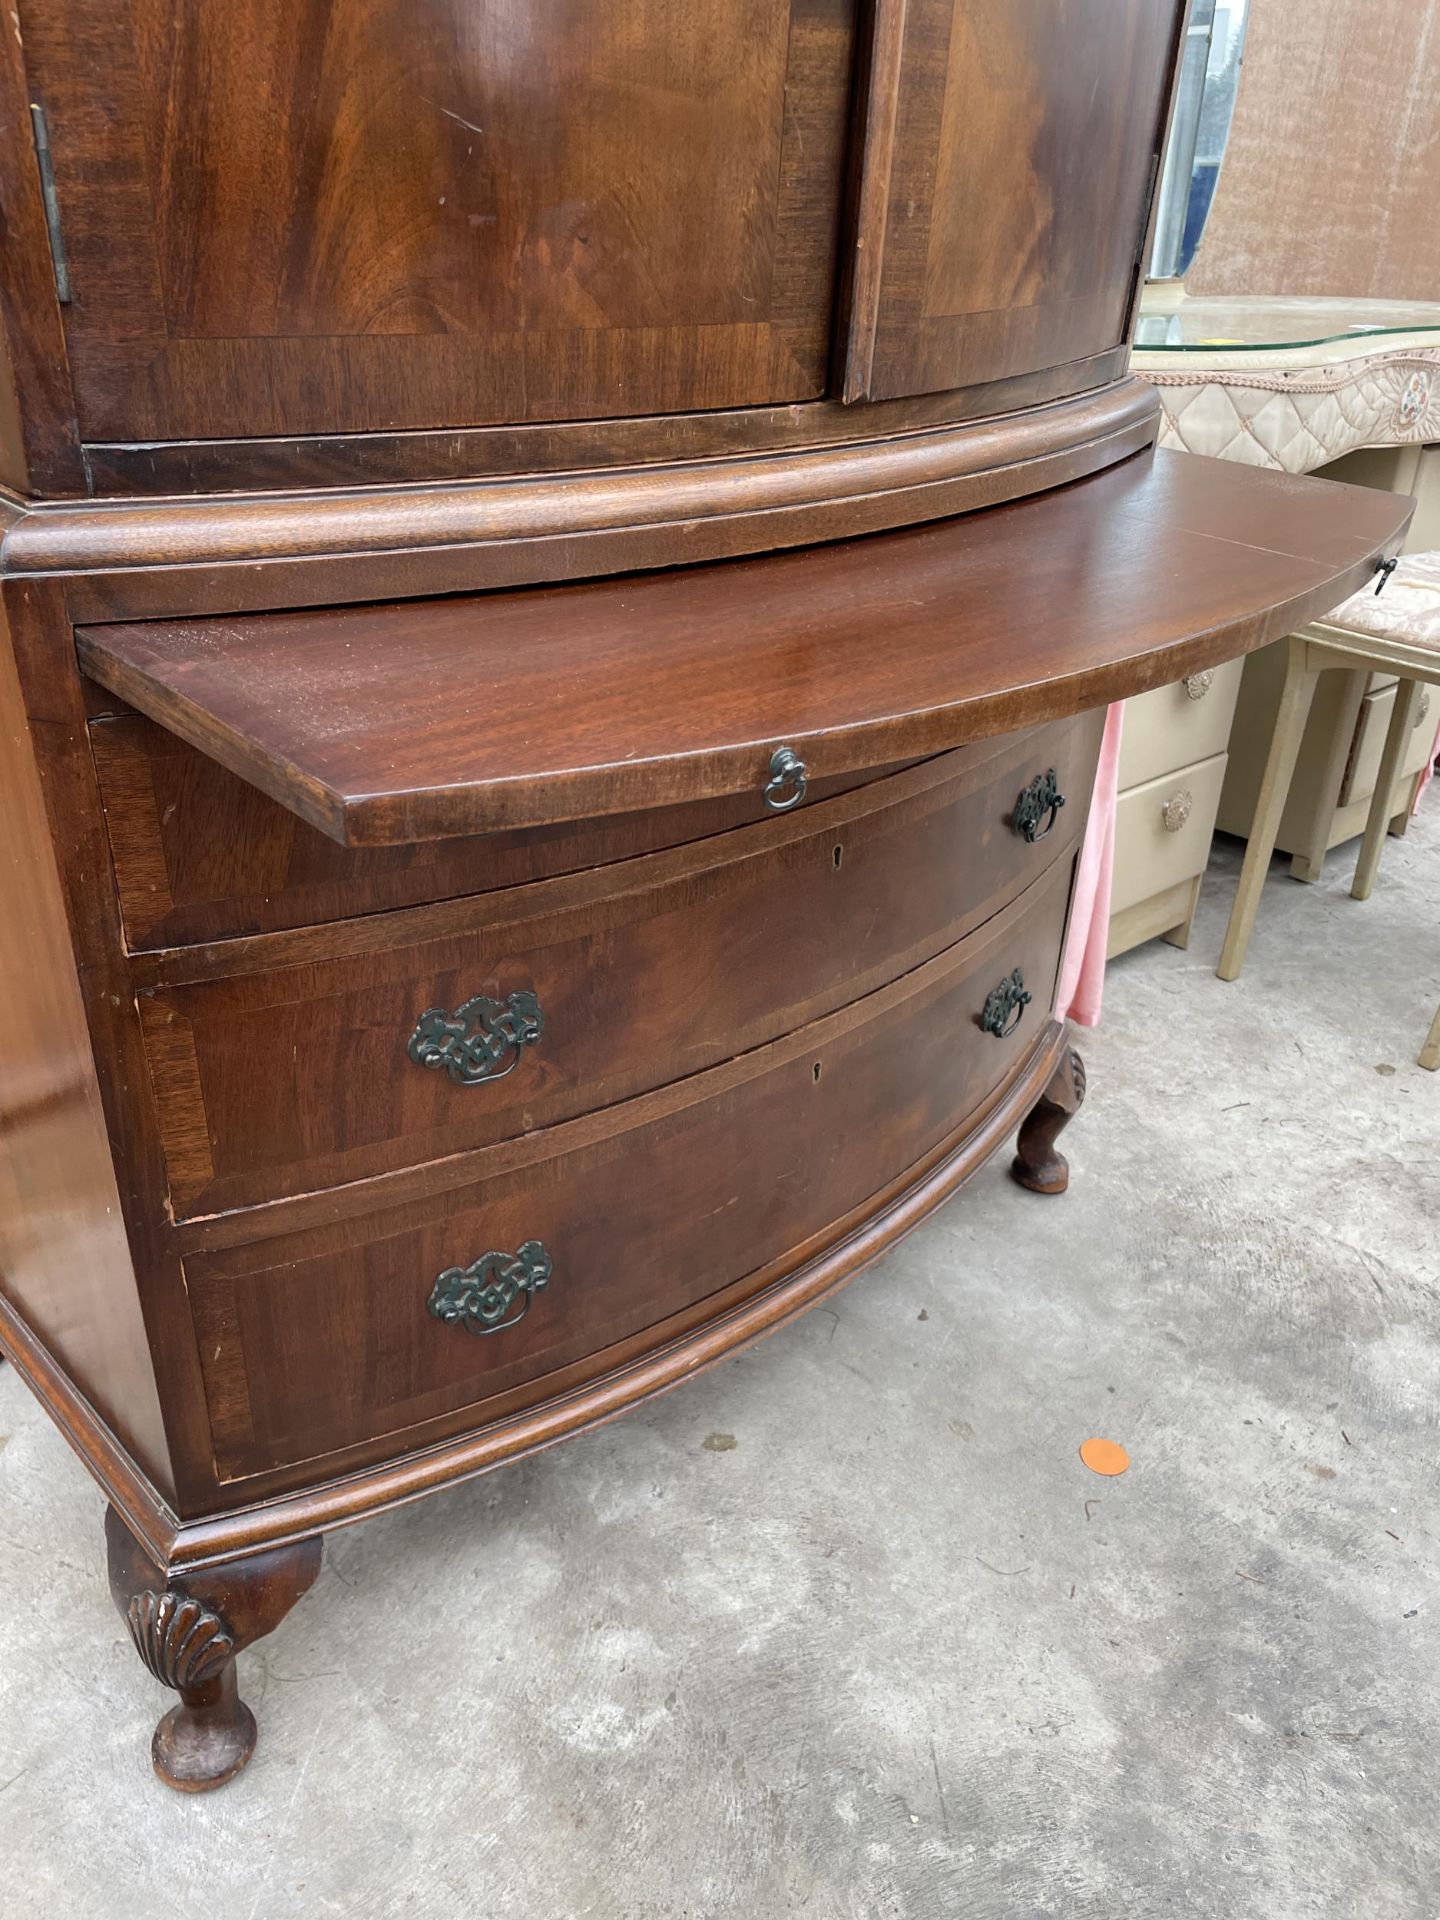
<point x="671" y="1201"/>
<point x="222" y="553"/>
<point x="391" y="724"/>
<point x="39" y="435"/>
<point x="454" y="351"/>
<point x="291" y="217"/>
<point x="65" y="1267"/>
<point x="201" y="855"/>
<point x="570" y="447"/>
<point x="644" y="972"/>
<point x="1010" y="148"/>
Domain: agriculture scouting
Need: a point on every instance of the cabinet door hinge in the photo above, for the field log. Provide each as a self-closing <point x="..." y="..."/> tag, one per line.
<point x="1138" y="272"/>
<point x="52" y="201"/>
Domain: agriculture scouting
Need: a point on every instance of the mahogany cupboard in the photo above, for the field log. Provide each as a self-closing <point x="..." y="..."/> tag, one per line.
<point x="560" y="563"/>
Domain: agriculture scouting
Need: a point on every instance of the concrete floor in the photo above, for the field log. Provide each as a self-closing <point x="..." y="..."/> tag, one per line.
<point x="845" y="1628"/>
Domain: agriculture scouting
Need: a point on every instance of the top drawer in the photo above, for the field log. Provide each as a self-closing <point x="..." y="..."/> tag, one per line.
<point x="301" y="1061"/>
<point x="1174" y="726"/>
<point x="199" y="854"/>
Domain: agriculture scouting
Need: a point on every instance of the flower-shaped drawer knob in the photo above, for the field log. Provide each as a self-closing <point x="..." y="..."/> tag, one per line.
<point x="1177" y="810"/>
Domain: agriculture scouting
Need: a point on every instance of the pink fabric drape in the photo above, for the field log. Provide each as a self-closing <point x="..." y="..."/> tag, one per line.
<point x="1082" y="970"/>
<point x="1429" y="772"/>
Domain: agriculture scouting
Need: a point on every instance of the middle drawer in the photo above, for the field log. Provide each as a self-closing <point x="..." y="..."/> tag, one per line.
<point x="300" y="1061"/>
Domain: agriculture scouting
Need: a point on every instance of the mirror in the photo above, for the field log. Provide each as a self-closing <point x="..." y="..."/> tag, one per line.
<point x="1204" y="106"/>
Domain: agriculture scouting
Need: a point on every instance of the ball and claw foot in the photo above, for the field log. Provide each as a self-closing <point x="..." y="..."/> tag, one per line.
<point x="187" y="1627"/>
<point x="1038" y="1164"/>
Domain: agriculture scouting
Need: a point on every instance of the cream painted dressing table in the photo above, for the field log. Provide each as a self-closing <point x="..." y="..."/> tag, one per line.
<point x="1347" y="387"/>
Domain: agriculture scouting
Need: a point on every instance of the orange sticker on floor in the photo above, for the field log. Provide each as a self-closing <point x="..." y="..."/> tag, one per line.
<point x="1105" y="1456"/>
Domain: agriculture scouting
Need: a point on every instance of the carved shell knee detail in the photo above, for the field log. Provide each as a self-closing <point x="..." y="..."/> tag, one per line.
<point x="1077" y="1077"/>
<point x="182" y="1643"/>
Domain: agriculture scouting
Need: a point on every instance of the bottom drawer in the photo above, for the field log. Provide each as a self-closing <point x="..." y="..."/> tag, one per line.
<point x="576" y="1249"/>
<point x="1362" y="770"/>
<point x="1163" y="831"/>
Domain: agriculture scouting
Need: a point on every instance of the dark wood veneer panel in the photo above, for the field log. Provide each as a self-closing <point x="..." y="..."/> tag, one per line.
<point x="383" y="725"/>
<point x="201" y="855"/>
<point x="640" y="1225"/>
<point x="289" y="217"/>
<point x="39" y="438"/>
<point x="680" y="962"/>
<point x="332" y="460"/>
<point x="1009" y="155"/>
<point x="65" y="1266"/>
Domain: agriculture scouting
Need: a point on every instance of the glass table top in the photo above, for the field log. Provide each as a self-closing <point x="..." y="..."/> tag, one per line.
<point x="1261" y="325"/>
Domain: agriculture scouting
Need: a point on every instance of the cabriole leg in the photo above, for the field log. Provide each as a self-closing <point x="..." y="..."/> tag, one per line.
<point x="187" y="1628"/>
<point x="1037" y="1164"/>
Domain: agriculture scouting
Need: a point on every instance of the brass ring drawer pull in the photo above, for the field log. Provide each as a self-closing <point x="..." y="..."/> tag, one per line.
<point x="1197" y="685"/>
<point x="480" y="1297"/>
<point x="481" y="1040"/>
<point x="1177" y="810"/>
<point x="1005" y="1007"/>
<point x="787" y="769"/>
<point x="1037" y="808"/>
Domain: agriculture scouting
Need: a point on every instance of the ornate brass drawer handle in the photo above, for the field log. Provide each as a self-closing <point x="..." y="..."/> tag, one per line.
<point x="787" y="769"/>
<point x="480" y="1297"/>
<point x="1037" y="807"/>
<point x="482" y="1040"/>
<point x="1177" y="810"/>
<point x="1005" y="1007"/>
<point x="1197" y="685"/>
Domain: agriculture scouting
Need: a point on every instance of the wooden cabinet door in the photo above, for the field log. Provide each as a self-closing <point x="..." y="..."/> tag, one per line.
<point x="304" y="216"/>
<point x="1009" y="156"/>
